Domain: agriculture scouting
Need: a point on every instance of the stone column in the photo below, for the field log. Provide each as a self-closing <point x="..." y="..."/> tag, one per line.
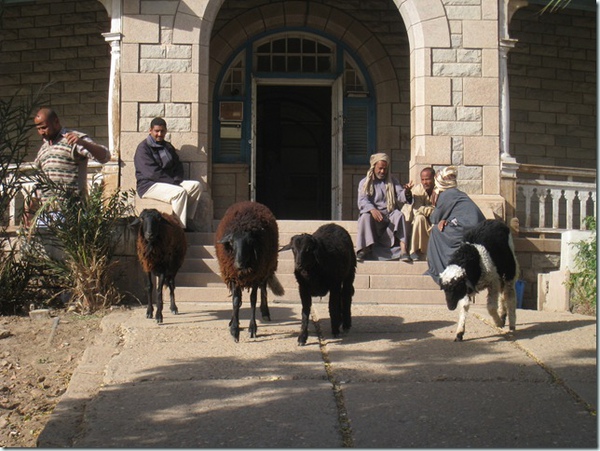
<point x="508" y="164"/>
<point x="112" y="170"/>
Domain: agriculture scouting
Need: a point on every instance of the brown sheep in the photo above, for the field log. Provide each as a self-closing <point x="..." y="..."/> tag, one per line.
<point x="161" y="247"/>
<point x="246" y="243"/>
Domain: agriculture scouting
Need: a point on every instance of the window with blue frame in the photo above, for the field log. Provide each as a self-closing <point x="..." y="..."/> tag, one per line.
<point x="293" y="55"/>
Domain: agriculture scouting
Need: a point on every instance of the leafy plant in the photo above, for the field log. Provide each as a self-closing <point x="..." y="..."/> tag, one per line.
<point x="555" y="5"/>
<point x="582" y="284"/>
<point x="15" y="125"/>
<point x="79" y="234"/>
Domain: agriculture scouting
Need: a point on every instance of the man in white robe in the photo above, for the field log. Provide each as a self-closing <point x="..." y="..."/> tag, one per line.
<point x="382" y="231"/>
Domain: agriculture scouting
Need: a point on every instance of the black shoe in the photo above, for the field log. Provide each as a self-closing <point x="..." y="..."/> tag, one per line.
<point x="415" y="256"/>
<point x="361" y="255"/>
<point x="405" y="257"/>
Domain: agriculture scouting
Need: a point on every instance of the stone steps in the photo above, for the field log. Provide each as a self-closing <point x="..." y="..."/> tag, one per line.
<point x="376" y="282"/>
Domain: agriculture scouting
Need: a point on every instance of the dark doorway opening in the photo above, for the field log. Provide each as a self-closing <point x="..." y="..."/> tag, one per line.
<point x="293" y="151"/>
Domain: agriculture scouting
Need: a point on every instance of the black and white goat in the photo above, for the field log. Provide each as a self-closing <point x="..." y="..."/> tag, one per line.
<point x="486" y="259"/>
<point x="325" y="262"/>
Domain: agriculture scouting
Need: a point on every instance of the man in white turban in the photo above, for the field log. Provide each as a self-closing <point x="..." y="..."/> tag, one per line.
<point x="454" y="214"/>
<point x="381" y="232"/>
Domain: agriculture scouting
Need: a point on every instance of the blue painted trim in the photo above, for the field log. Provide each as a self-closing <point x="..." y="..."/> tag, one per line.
<point x="245" y="146"/>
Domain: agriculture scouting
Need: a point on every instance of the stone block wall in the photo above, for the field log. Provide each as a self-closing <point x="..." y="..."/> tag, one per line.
<point x="536" y="256"/>
<point x="59" y="43"/>
<point x="553" y="88"/>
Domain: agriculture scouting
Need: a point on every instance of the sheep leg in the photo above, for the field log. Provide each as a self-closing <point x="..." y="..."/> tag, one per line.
<point x="347" y="292"/>
<point x="264" y="305"/>
<point x="492" y="306"/>
<point x="335" y="310"/>
<point x="463" y="308"/>
<point x="159" y="298"/>
<point x="510" y="299"/>
<point x="171" y="285"/>
<point x="252" y="329"/>
<point x="306" y="306"/>
<point x="149" y="285"/>
<point x="234" y="324"/>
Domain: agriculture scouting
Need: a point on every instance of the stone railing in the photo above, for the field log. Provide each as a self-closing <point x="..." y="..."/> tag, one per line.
<point x="12" y="218"/>
<point x="554" y="199"/>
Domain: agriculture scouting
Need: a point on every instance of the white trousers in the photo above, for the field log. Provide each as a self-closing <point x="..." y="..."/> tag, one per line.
<point x="183" y="198"/>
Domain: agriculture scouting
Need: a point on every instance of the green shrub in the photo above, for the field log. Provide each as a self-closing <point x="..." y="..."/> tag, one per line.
<point x="15" y="273"/>
<point x="582" y="284"/>
<point x="79" y="234"/>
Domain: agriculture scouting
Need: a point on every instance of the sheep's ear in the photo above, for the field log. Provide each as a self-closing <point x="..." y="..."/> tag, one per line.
<point x="226" y="239"/>
<point x="135" y="222"/>
<point x="287" y="247"/>
<point x="470" y="287"/>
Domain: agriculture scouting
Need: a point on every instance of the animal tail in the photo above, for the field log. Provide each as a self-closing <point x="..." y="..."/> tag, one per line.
<point x="275" y="286"/>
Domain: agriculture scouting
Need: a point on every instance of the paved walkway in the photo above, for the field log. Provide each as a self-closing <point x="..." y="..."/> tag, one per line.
<point x="398" y="380"/>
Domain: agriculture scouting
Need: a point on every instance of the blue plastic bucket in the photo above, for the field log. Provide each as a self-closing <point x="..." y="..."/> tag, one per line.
<point x="520" y="289"/>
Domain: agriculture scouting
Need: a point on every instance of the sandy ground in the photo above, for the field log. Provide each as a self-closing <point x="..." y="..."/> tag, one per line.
<point x="37" y="359"/>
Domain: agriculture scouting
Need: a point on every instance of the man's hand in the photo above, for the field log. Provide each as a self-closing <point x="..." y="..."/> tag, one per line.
<point x="442" y="225"/>
<point x="72" y="138"/>
<point x="377" y="216"/>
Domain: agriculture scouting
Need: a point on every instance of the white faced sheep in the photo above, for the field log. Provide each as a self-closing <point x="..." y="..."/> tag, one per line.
<point x="246" y="243"/>
<point x="325" y="262"/>
<point x="485" y="260"/>
<point x="161" y="248"/>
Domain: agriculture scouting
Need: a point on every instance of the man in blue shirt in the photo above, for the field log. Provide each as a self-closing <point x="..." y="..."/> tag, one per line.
<point x="159" y="174"/>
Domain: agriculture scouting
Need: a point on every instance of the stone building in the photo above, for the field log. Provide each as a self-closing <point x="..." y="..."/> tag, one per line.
<point x="283" y="101"/>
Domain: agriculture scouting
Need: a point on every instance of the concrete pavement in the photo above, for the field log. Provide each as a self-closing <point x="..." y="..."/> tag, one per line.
<point x="397" y="380"/>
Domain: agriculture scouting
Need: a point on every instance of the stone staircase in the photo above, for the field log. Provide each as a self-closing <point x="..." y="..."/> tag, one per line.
<point x="376" y="282"/>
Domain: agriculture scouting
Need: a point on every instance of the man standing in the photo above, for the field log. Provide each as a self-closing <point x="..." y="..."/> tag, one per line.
<point x="64" y="154"/>
<point x="381" y="231"/>
<point x="159" y="175"/>
<point x="418" y="213"/>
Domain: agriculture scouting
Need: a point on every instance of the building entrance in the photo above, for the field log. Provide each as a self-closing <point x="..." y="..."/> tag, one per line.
<point x="293" y="151"/>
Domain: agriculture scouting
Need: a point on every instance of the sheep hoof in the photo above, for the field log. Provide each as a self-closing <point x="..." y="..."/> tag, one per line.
<point x="512" y="328"/>
<point x="175" y="311"/>
<point x="266" y="317"/>
<point x="302" y="338"/>
<point x="235" y="333"/>
<point x="149" y="315"/>
<point x="502" y="321"/>
<point x="459" y="336"/>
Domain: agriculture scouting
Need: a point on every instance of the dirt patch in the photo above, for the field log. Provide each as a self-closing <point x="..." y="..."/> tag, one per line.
<point x="37" y="359"/>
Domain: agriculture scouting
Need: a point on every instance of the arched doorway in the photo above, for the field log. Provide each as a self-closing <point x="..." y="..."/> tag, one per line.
<point x="295" y="106"/>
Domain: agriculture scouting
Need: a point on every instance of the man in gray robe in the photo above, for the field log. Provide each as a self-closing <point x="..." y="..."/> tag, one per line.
<point x="454" y="214"/>
<point x="382" y="232"/>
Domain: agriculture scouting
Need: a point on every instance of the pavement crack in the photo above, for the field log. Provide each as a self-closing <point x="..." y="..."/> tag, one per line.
<point x="343" y="420"/>
<point x="554" y="378"/>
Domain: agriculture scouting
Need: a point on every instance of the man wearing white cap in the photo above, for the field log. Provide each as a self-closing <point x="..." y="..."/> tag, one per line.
<point x="382" y="232"/>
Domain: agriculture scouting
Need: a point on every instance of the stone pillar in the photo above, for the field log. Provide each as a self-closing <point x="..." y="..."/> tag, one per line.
<point x="112" y="170"/>
<point x="508" y="164"/>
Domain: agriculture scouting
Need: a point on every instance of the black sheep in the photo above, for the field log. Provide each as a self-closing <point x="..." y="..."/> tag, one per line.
<point x="161" y="248"/>
<point x="246" y="243"/>
<point x="485" y="260"/>
<point x="325" y="262"/>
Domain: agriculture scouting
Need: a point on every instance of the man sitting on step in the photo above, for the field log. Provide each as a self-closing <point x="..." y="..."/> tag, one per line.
<point x="159" y="175"/>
